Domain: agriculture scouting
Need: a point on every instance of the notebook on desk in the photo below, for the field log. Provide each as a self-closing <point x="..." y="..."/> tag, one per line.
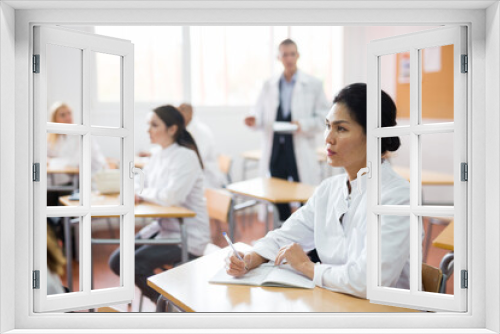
<point x="266" y="274"/>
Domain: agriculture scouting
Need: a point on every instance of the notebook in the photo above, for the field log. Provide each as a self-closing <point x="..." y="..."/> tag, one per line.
<point x="266" y="274"/>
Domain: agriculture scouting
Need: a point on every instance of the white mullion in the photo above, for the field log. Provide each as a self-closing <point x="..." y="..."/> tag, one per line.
<point x="415" y="105"/>
<point x="393" y="131"/>
<point x="86" y="177"/>
<point x="433" y="211"/>
<point x="108" y="210"/>
<point x="66" y="211"/>
<point x="127" y="220"/>
<point x="395" y="210"/>
<point x="67" y="129"/>
<point x="109" y="132"/>
<point x="372" y="228"/>
<point x="424" y="129"/>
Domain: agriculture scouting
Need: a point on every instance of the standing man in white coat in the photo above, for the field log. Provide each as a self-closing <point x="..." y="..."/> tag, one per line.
<point x="297" y="98"/>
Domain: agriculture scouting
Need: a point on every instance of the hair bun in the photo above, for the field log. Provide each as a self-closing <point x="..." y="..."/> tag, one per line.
<point x="390" y="144"/>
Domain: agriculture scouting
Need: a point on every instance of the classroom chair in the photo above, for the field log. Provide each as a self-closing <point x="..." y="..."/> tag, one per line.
<point x="428" y="235"/>
<point x="220" y="207"/>
<point x="431" y="278"/>
<point x="225" y="162"/>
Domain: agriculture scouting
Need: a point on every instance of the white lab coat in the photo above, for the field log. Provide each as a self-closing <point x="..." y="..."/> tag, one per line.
<point x="341" y="247"/>
<point x="174" y="178"/>
<point x="309" y="106"/>
<point x="205" y="141"/>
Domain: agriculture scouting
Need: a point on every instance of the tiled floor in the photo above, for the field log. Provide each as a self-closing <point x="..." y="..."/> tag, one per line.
<point x="248" y="230"/>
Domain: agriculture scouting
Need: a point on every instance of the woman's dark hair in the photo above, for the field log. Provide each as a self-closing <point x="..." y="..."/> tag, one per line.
<point x="354" y="98"/>
<point x="171" y="116"/>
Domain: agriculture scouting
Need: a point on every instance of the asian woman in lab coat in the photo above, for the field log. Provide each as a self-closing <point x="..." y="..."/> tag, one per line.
<point x="174" y="177"/>
<point x="333" y="221"/>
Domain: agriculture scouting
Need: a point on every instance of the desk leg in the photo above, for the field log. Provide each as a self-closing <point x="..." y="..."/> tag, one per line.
<point x="69" y="255"/>
<point x="276" y="217"/>
<point x="184" y="254"/>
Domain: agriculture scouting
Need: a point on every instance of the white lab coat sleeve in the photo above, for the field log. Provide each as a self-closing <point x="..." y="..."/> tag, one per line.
<point x="395" y="238"/>
<point x="98" y="161"/>
<point x="299" y="228"/>
<point x="182" y="175"/>
<point x="258" y="111"/>
<point x="316" y="122"/>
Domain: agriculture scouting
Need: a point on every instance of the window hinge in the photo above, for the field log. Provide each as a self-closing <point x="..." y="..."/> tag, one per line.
<point x="465" y="279"/>
<point x="36" y="63"/>
<point x="465" y="64"/>
<point x="36" y="279"/>
<point x="464" y="168"/>
<point x="36" y="172"/>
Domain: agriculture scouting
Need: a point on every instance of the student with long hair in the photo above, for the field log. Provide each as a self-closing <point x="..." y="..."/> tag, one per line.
<point x="333" y="221"/>
<point x="174" y="177"/>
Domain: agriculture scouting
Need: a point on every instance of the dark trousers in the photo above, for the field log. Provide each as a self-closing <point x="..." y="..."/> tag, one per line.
<point x="147" y="259"/>
<point x="283" y="166"/>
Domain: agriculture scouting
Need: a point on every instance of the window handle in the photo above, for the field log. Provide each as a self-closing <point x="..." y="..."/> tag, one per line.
<point x="134" y="170"/>
<point x="362" y="171"/>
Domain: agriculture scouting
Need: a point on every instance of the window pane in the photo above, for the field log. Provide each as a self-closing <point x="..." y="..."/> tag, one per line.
<point x="105" y="229"/>
<point x="437" y="168"/>
<point x="63" y="250"/>
<point x="64" y="84"/>
<point x="158" y="61"/>
<point x="63" y="162"/>
<point x="106" y="104"/>
<point x="395" y="81"/>
<point x="437" y="84"/>
<point x="438" y="255"/>
<point x="394" y="241"/>
<point x="400" y="163"/>
<point x="105" y="168"/>
<point x="230" y="64"/>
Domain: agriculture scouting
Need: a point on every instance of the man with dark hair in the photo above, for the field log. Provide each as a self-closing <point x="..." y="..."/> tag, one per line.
<point x="290" y="111"/>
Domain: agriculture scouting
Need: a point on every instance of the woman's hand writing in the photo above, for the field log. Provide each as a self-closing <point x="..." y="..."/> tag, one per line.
<point x="298" y="259"/>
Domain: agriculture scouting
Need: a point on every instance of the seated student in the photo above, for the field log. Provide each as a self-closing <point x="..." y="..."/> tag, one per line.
<point x="174" y="177"/>
<point x="55" y="265"/>
<point x="333" y="221"/>
<point x="206" y="145"/>
<point x="67" y="148"/>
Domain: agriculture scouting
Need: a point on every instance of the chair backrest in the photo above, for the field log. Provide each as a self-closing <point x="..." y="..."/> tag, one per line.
<point x="225" y="163"/>
<point x="218" y="204"/>
<point x="431" y="278"/>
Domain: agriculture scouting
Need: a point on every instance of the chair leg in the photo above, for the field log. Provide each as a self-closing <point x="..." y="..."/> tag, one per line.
<point x="428" y="237"/>
<point x="141" y="300"/>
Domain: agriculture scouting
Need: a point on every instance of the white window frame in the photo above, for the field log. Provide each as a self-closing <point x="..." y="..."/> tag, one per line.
<point x="484" y="103"/>
<point x="414" y="43"/>
<point x="87" y="43"/>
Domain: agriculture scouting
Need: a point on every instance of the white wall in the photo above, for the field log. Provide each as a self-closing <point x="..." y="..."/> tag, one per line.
<point x="7" y="167"/>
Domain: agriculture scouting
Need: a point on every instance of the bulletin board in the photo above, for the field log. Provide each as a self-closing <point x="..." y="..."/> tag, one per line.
<point x="437" y="83"/>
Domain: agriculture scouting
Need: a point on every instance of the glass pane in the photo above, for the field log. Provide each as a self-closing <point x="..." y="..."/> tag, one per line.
<point x="64" y="84"/>
<point x="395" y="81"/>
<point x="437" y="169"/>
<point x="105" y="233"/>
<point x="106" y="176"/>
<point x="400" y="162"/>
<point x="230" y="63"/>
<point x="437" y="84"/>
<point x="394" y="241"/>
<point x="437" y="256"/>
<point x="63" y="162"/>
<point x="106" y="103"/>
<point x="157" y="61"/>
<point x="63" y="249"/>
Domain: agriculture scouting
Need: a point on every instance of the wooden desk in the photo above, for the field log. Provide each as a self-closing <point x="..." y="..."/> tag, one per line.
<point x="274" y="191"/>
<point x="429" y="178"/>
<point x="73" y="172"/>
<point x="445" y="239"/>
<point x="141" y="210"/>
<point x="187" y="287"/>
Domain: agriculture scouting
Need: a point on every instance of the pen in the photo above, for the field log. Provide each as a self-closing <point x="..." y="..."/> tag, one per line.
<point x="232" y="246"/>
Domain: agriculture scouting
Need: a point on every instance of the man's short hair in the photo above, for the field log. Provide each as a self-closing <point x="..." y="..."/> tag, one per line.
<point x="288" y="41"/>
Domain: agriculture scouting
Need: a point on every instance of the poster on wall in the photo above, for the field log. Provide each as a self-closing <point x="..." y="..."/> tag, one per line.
<point x="404" y="67"/>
